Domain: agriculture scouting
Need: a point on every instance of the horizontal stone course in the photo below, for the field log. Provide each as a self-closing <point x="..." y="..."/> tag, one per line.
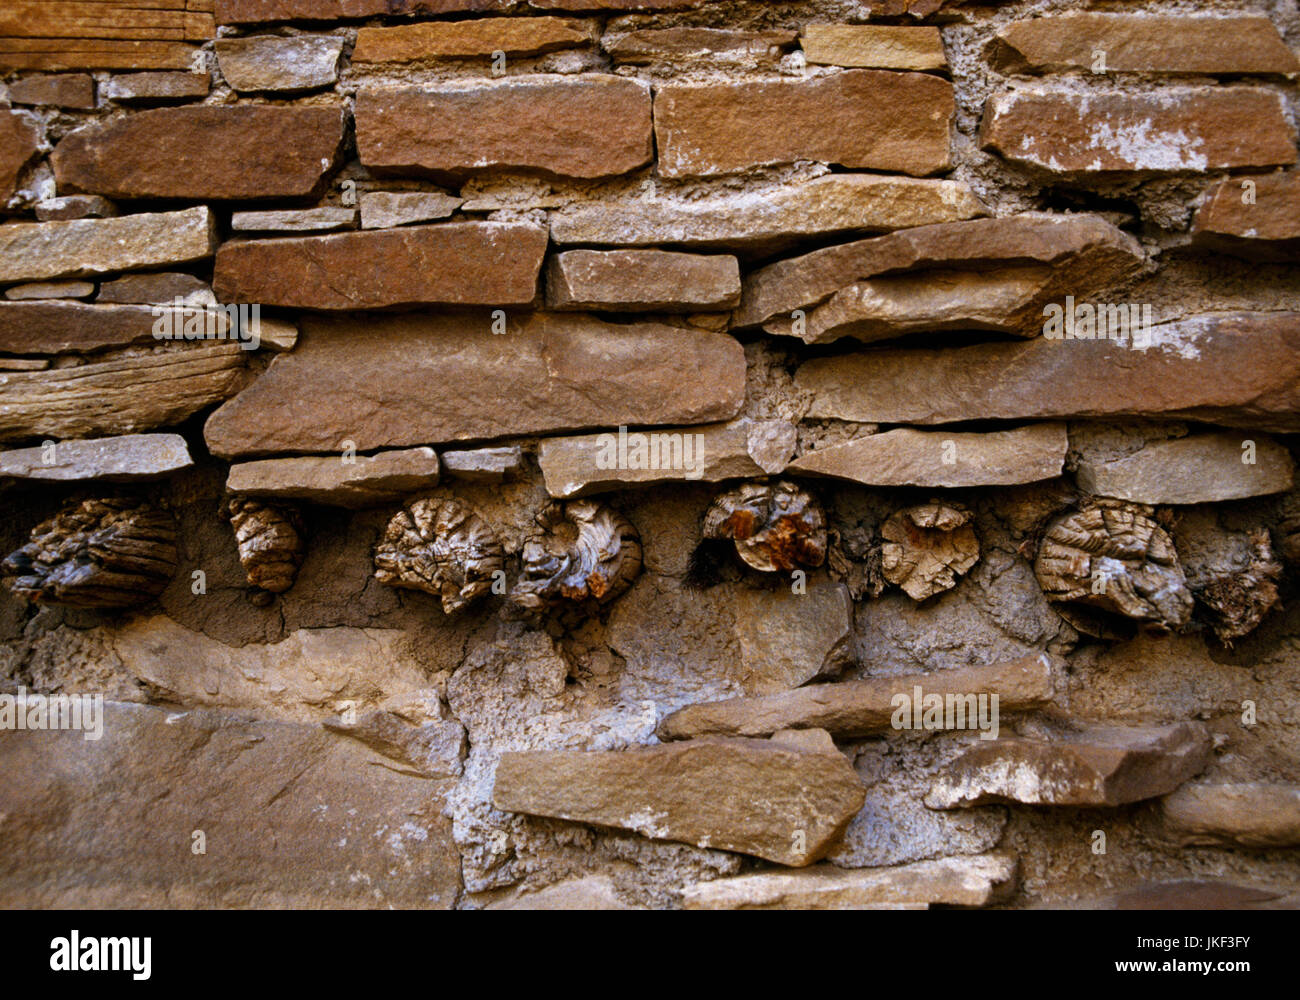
<point x="129" y="458"/>
<point x="641" y="281"/>
<point x="480" y="37"/>
<point x="338" y="480"/>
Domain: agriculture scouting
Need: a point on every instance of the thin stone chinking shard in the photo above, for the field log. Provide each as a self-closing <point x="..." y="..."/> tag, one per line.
<point x="883" y="121"/>
<point x="430" y="379"/>
<point x="592" y="126"/>
<point x="1181" y="130"/>
<point x="82" y="248"/>
<point x="1091" y="766"/>
<point x="111" y="553"/>
<point x="464" y="263"/>
<point x="860" y="708"/>
<point x="204" y="153"/>
<point x="1239" y="369"/>
<point x="704" y="792"/>
<point x="1083" y="252"/>
<point x="958" y="881"/>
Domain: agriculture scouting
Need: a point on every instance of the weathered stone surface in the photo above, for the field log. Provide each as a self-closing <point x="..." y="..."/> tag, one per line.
<point x="345" y="832"/>
<point x="276" y="65"/>
<point x="1144" y="43"/>
<point x="87" y="247"/>
<point x="1084" y="251"/>
<point x="1255" y="217"/>
<point x="1247" y="814"/>
<point x="873" y="46"/>
<point x="74" y="206"/>
<point x="789" y="639"/>
<point x="515" y="36"/>
<point x="385" y="209"/>
<point x="63" y="90"/>
<point x="860" y="708"/>
<point x="647" y="46"/>
<point x="1202" y="468"/>
<point x="302" y="220"/>
<point x="60" y="327"/>
<point x="433" y="749"/>
<point x="50" y="290"/>
<point x="594" y="126"/>
<point x="1199" y="894"/>
<point x="1008" y="300"/>
<point x="104" y="397"/>
<point x="18" y="143"/>
<point x="701" y="792"/>
<point x="362" y="481"/>
<point x="123" y="459"/>
<point x="1239" y="369"/>
<point x="908" y="457"/>
<point x="838" y="203"/>
<point x="641" y="281"/>
<point x="461" y="263"/>
<point x="959" y="881"/>
<point x="1095" y="766"/>
<point x="157" y="88"/>
<point x="1179" y="130"/>
<point x="266" y="152"/>
<point x="885" y="121"/>
<point x="431" y="379"/>
<point x="484" y="465"/>
<point x="596" y="463"/>
<point x="152" y="289"/>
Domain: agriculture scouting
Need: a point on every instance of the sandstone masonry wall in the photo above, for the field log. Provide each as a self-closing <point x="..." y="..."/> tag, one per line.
<point x="650" y="453"/>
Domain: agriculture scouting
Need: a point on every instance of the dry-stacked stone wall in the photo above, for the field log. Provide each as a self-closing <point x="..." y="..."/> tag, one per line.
<point x="649" y="453"/>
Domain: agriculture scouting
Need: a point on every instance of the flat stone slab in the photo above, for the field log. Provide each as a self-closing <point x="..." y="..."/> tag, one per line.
<point x="596" y="463"/>
<point x="459" y="263"/>
<point x="124" y="459"/>
<point x="484" y="465"/>
<point x="874" y="46"/>
<point x="303" y="220"/>
<point x="1238" y="369"/>
<point x="1096" y="766"/>
<point x="908" y="457"/>
<point x="63" y="327"/>
<point x="861" y="708"/>
<point x="1201" y="468"/>
<point x="1253" y="217"/>
<point x="83" y="248"/>
<point x="781" y="217"/>
<point x="272" y="64"/>
<point x="1255" y="814"/>
<point x="357" y="481"/>
<point x="976" y="880"/>
<point x="445" y="378"/>
<point x="700" y="792"/>
<point x="386" y="209"/>
<point x="38" y="290"/>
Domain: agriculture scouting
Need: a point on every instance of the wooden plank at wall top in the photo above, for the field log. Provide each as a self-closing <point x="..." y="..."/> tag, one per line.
<point x="102" y="34"/>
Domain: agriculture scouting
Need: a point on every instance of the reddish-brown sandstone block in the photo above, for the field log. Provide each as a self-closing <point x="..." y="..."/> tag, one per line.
<point x="1174" y="131"/>
<point x="861" y="118"/>
<point x="18" y="141"/>
<point x="642" y="280"/>
<point x="1143" y="43"/>
<point x="595" y="126"/>
<point x="254" y="11"/>
<point x="203" y="153"/>
<point x="62" y="90"/>
<point x="1255" y="217"/>
<point x="398" y="381"/>
<point x="515" y="36"/>
<point x="472" y="263"/>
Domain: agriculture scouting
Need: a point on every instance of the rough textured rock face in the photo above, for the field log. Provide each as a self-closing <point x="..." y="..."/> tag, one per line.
<point x="650" y="454"/>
